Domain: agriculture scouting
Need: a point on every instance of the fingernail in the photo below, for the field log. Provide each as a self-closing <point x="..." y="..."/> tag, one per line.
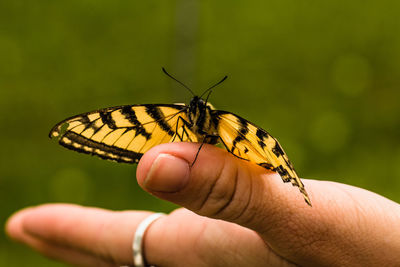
<point x="167" y="174"/>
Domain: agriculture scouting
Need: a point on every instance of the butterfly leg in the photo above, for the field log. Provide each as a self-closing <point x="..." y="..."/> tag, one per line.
<point x="197" y="154"/>
<point x="181" y="123"/>
<point x="229" y="150"/>
<point x="185" y="132"/>
<point x="226" y="147"/>
<point x="176" y="130"/>
<point x="201" y="145"/>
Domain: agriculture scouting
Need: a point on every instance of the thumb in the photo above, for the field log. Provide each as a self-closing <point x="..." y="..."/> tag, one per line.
<point x="218" y="185"/>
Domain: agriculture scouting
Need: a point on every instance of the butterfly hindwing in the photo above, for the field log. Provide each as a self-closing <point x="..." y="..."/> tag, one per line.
<point x="124" y="133"/>
<point x="249" y="142"/>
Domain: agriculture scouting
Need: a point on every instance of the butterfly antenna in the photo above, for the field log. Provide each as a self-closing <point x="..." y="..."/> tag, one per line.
<point x="209" y="93"/>
<point x="223" y="79"/>
<point x="181" y="83"/>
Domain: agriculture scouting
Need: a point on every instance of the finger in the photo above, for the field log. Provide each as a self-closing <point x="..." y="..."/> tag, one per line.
<point x="15" y="229"/>
<point x="65" y="232"/>
<point x="84" y="236"/>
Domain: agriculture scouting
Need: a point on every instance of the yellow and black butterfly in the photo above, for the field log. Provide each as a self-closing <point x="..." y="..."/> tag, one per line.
<point x="125" y="133"/>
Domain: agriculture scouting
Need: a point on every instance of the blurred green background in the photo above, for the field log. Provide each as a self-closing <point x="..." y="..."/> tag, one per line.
<point x="321" y="76"/>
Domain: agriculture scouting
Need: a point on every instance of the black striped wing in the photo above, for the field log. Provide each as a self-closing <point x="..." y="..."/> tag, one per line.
<point x="249" y="142"/>
<point x="124" y="133"/>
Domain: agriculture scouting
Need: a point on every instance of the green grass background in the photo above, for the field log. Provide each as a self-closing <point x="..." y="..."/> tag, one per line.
<point x="321" y="76"/>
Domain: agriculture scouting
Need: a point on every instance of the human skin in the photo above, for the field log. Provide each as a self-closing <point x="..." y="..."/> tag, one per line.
<point x="234" y="213"/>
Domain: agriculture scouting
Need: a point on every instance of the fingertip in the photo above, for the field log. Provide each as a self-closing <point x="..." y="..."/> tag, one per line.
<point x="168" y="173"/>
<point x="147" y="161"/>
<point x="14" y="226"/>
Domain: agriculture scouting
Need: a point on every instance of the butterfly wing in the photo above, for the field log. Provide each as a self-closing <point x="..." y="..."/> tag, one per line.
<point x="124" y="133"/>
<point x="249" y="142"/>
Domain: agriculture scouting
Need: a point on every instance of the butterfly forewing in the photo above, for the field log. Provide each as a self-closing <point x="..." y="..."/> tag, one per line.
<point x="124" y="133"/>
<point x="247" y="141"/>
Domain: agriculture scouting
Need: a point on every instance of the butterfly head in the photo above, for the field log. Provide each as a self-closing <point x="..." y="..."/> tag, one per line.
<point x="198" y="107"/>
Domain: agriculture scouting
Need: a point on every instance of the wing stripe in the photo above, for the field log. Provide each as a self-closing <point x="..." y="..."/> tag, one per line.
<point x="84" y="119"/>
<point x="261" y="135"/>
<point x="95" y="127"/>
<point x="155" y="112"/>
<point x="130" y="115"/>
<point x="106" y="119"/>
<point x="111" y="152"/>
<point x="243" y="130"/>
<point x="244" y="126"/>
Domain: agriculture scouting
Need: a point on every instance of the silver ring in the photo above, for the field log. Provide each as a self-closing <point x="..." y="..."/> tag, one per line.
<point x="137" y="244"/>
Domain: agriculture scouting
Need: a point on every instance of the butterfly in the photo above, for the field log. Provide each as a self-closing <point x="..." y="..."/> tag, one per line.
<point x="125" y="133"/>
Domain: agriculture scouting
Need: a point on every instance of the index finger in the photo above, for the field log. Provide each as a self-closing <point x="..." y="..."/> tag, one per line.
<point x="74" y="234"/>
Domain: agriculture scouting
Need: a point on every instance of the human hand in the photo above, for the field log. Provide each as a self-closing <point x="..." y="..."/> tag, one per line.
<point x="261" y="221"/>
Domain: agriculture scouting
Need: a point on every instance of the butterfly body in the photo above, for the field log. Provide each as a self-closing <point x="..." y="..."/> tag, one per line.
<point x="125" y="133"/>
<point x="200" y="120"/>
